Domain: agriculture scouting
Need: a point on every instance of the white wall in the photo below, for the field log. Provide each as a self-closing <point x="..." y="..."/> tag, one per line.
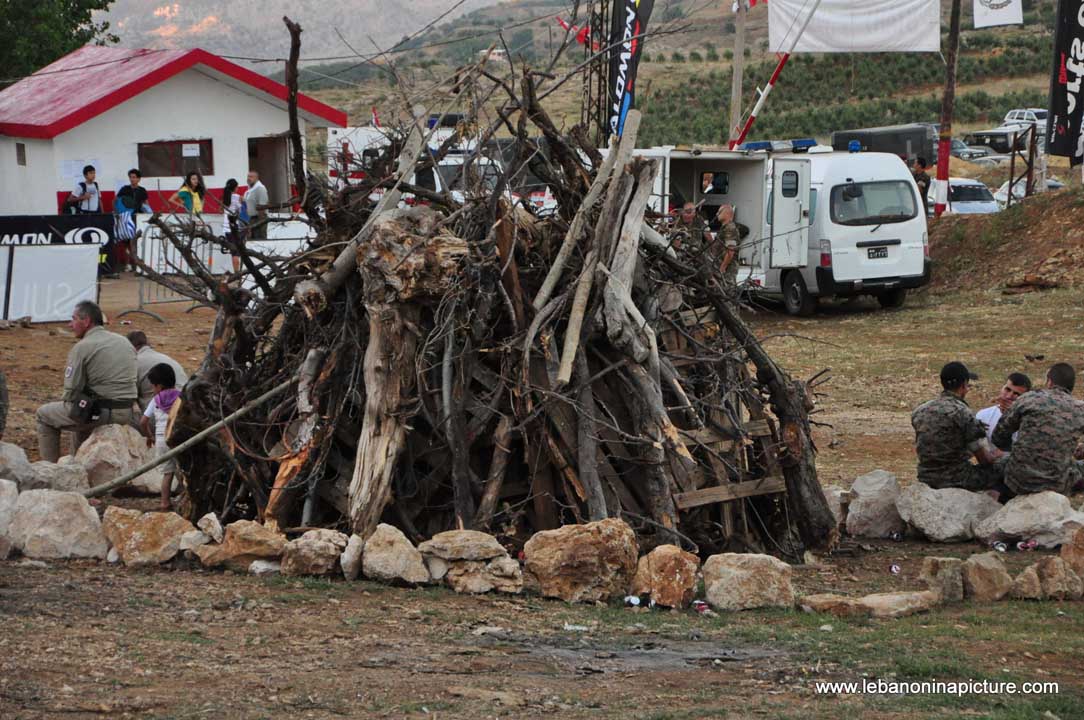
<point x="29" y="190"/>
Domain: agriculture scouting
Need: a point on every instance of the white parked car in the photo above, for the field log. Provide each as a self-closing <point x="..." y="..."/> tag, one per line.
<point x="1027" y="116"/>
<point x="1002" y="194"/>
<point x="966" y="197"/>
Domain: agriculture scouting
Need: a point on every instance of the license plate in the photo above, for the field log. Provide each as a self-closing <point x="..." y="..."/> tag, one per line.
<point x="877" y="253"/>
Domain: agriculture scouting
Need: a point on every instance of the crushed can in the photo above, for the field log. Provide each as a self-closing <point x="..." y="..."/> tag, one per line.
<point x="894" y="569"/>
<point x="999" y="546"/>
<point x="897" y="536"/>
<point x="700" y="606"/>
<point x="632" y="601"/>
<point x="1026" y="545"/>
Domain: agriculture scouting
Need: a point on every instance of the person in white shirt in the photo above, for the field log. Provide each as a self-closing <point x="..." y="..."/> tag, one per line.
<point x="256" y="202"/>
<point x="154" y="422"/>
<point x="85" y="197"/>
<point x="1015" y="385"/>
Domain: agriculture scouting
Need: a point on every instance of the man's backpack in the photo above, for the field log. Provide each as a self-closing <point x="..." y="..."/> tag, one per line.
<point x="71" y="205"/>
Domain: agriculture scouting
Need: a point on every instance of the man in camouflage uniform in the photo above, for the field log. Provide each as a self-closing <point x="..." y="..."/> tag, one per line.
<point x="947" y="435"/>
<point x="103" y="365"/>
<point x="1049" y="424"/>
<point x="728" y="239"/>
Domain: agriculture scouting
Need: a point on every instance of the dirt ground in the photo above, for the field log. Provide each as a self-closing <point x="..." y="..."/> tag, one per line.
<point x="94" y="640"/>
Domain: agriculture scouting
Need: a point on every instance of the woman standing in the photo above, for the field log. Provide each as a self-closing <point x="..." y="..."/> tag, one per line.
<point x="190" y="197"/>
<point x="231" y="219"/>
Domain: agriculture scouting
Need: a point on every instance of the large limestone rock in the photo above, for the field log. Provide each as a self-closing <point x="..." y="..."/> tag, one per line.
<point x="872" y="510"/>
<point x="194" y="539"/>
<point x="1027" y="585"/>
<point x="1046" y="517"/>
<point x="947" y="515"/>
<point x="582" y="563"/>
<point x="985" y="578"/>
<point x="15" y="467"/>
<point x="51" y="476"/>
<point x="668" y="575"/>
<point x="835" y="494"/>
<point x="244" y="541"/>
<point x="735" y="581"/>
<point x="112" y="451"/>
<point x="945" y="576"/>
<point x="211" y="525"/>
<point x="350" y="560"/>
<point x="832" y="604"/>
<point x="1058" y="580"/>
<point x="1072" y="552"/>
<point x="314" y="553"/>
<point x="390" y="557"/>
<point x="9" y="498"/>
<point x="53" y="524"/>
<point x="469" y="561"/>
<point x="144" y="538"/>
<point x="900" y="604"/>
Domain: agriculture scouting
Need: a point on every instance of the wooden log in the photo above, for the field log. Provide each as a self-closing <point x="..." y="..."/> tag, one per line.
<point x="502" y="448"/>
<point x="570" y="352"/>
<point x="587" y="457"/>
<point x="730" y="491"/>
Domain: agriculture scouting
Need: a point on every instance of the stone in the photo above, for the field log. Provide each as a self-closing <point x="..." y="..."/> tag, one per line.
<point x="985" y="578"/>
<point x="1072" y="552"/>
<point x="144" y="538"/>
<point x="243" y="542"/>
<point x="839" y="605"/>
<point x="1058" y="580"/>
<point x="946" y="515"/>
<point x="872" y="510"/>
<point x="193" y="539"/>
<point x="1027" y="585"/>
<point x="462" y="545"/>
<point x="390" y="557"/>
<point x="469" y="561"/>
<point x="1046" y="517"/>
<point x="900" y="604"/>
<point x="14" y="466"/>
<point x="316" y="552"/>
<point x="210" y="524"/>
<point x="582" y="563"/>
<point x="945" y="576"/>
<point x="737" y="581"/>
<point x="112" y="557"/>
<point x="834" y="494"/>
<point x="668" y="575"/>
<point x="437" y="567"/>
<point x="54" y="524"/>
<point x="114" y="450"/>
<point x="501" y="574"/>
<point x="264" y="567"/>
<point x="350" y="560"/>
<point x="51" y="476"/>
<point x="9" y="498"/>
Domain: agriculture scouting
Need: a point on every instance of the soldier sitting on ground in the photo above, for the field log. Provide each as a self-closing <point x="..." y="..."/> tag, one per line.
<point x="947" y="435"/>
<point x="1049" y="425"/>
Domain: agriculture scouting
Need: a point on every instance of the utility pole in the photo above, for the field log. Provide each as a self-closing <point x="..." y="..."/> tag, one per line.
<point x="944" y="146"/>
<point x="738" y="67"/>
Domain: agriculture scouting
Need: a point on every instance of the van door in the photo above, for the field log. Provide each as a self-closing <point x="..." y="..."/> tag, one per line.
<point x="790" y="213"/>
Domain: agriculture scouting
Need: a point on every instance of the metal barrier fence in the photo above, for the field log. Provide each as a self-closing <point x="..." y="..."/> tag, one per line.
<point x="285" y="237"/>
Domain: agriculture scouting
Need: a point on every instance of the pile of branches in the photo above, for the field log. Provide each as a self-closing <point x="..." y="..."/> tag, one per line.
<point x="461" y="362"/>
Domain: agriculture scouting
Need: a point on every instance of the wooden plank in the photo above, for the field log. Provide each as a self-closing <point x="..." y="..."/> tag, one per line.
<point x="717" y="439"/>
<point x="729" y="491"/>
<point x="697" y="316"/>
<point x="758" y="428"/>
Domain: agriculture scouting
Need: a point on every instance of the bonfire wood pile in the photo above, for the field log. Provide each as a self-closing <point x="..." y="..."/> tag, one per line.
<point x="463" y="362"/>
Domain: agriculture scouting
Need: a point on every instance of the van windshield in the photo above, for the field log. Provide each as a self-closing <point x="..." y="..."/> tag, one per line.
<point x="970" y="193"/>
<point x="873" y="203"/>
<point x="451" y="175"/>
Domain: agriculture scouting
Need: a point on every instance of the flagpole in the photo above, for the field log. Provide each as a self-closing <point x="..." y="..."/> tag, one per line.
<point x="944" y="145"/>
<point x="775" y="76"/>
<point x="737" y="70"/>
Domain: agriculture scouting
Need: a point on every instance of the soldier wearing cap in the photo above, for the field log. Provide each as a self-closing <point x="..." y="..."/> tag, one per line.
<point x="102" y="365"/>
<point x="947" y="435"/>
<point x="1048" y="425"/>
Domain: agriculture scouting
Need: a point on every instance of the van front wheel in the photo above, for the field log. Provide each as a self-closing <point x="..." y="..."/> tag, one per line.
<point x="892" y="299"/>
<point x="796" y="297"/>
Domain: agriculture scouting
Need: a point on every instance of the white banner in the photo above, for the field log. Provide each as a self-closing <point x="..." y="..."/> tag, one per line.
<point x="48" y="280"/>
<point x="856" y="26"/>
<point x="989" y="13"/>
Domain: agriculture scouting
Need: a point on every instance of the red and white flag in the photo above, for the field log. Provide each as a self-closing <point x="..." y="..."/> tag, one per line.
<point x="583" y="34"/>
<point x="748" y="4"/>
<point x="375" y="119"/>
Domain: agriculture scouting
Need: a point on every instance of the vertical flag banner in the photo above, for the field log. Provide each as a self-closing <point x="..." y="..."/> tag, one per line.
<point x="1064" y="131"/>
<point x="989" y="13"/>
<point x="628" y="24"/>
<point x="856" y="26"/>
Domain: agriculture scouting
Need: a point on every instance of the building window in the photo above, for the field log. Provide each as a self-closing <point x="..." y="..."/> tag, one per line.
<point x="175" y="158"/>
<point x="20" y="154"/>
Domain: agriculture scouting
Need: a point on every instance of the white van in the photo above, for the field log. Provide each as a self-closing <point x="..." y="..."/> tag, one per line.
<point x="820" y="223"/>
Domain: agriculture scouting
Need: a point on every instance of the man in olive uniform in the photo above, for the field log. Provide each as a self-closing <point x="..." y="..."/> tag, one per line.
<point x="728" y="238"/>
<point x="947" y="434"/>
<point x="1048" y="424"/>
<point x="102" y="365"/>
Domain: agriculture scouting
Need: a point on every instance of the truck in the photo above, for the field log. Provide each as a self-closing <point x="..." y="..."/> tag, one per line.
<point x="914" y="140"/>
<point x="821" y="223"/>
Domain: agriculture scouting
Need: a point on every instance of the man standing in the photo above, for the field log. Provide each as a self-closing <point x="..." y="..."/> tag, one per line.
<point x="947" y="435"/>
<point x="146" y="358"/>
<point x="922" y="179"/>
<point x="256" y="202"/>
<point x="1015" y="385"/>
<point x="729" y="235"/>
<point x="131" y="199"/>
<point x="101" y="367"/>
<point x="85" y="197"/>
<point x="1049" y="423"/>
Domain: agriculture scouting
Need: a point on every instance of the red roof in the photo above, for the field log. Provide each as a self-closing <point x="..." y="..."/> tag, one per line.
<point x="94" y="79"/>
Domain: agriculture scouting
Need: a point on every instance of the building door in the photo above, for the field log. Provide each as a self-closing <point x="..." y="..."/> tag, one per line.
<point x="270" y="157"/>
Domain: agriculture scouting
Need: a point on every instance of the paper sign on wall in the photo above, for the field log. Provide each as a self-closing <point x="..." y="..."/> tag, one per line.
<point x="190" y="150"/>
<point x="989" y="13"/>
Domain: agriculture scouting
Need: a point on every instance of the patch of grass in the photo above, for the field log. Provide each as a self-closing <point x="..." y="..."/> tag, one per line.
<point x="184" y="636"/>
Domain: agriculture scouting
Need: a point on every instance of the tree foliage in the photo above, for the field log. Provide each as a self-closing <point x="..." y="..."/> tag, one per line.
<point x="37" y="32"/>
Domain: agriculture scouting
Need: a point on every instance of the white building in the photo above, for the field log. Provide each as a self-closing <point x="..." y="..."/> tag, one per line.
<point x="166" y="112"/>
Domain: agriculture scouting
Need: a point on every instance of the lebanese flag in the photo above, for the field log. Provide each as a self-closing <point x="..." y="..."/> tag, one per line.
<point x="749" y="4"/>
<point x="374" y="120"/>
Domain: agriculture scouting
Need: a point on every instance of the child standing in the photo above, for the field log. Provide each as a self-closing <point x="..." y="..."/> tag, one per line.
<point x="164" y="381"/>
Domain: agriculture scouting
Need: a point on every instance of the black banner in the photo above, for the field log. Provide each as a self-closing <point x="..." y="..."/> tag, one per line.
<point x="1064" y="131"/>
<point x="628" y="23"/>
<point x="56" y="229"/>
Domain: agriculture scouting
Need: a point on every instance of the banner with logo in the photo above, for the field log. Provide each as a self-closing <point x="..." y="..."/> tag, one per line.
<point x="856" y="26"/>
<point x="628" y="25"/>
<point x="1064" y="131"/>
<point x="989" y="13"/>
<point x="56" y="229"/>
